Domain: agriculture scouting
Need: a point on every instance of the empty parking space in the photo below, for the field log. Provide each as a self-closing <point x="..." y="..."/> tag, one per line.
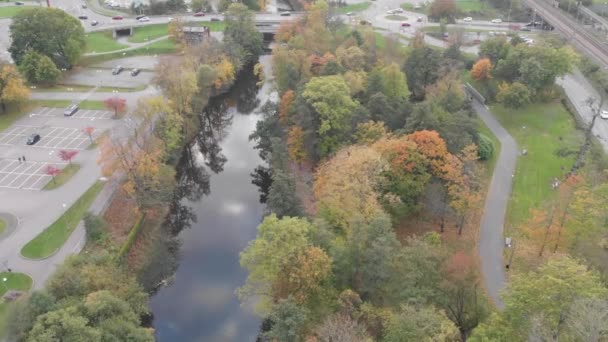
<point x="51" y="137"/>
<point x="88" y="114"/>
<point x="30" y="175"/>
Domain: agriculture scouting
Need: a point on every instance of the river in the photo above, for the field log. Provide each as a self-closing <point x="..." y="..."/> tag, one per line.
<point x="215" y="179"/>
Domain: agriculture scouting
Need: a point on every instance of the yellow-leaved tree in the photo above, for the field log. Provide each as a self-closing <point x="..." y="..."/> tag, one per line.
<point x="12" y="87"/>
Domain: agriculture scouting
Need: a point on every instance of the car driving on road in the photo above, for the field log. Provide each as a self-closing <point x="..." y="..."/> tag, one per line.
<point x="94" y="23"/>
<point x="143" y="19"/>
<point x="199" y="14"/>
<point x="135" y="72"/>
<point x="32" y="139"/>
<point x="117" y="70"/>
<point x="117" y="17"/>
<point x="496" y="21"/>
<point x="83" y="17"/>
<point x="467" y="19"/>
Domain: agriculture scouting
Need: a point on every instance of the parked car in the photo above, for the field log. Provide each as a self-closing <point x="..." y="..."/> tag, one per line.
<point x="350" y="14"/>
<point x="604" y="114"/>
<point x="496" y="21"/>
<point x="32" y="139"/>
<point x="215" y="19"/>
<point x="285" y="14"/>
<point x="19" y="3"/>
<point x="390" y="12"/>
<point x="404" y="24"/>
<point x="364" y="22"/>
<point x="94" y="23"/>
<point x="419" y="19"/>
<point x="135" y="72"/>
<point x="84" y="6"/>
<point x="71" y="110"/>
<point x="83" y="17"/>
<point x="398" y="10"/>
<point x="140" y="16"/>
<point x="467" y="19"/>
<point x="526" y="28"/>
<point x="117" y="17"/>
<point x="446" y="35"/>
<point x="117" y="70"/>
<point x="199" y="14"/>
<point x="143" y="19"/>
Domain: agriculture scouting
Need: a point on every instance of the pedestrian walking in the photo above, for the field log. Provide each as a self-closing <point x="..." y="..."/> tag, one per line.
<point x="24" y="159"/>
<point x="19" y="160"/>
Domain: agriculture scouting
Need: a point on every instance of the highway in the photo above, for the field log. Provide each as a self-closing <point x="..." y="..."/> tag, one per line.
<point x="572" y="30"/>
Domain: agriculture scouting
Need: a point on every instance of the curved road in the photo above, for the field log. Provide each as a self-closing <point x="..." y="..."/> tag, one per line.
<point x="491" y="241"/>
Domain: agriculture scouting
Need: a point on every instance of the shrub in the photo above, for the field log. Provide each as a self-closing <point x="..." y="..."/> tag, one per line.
<point x="485" y="147"/>
<point x="94" y="226"/>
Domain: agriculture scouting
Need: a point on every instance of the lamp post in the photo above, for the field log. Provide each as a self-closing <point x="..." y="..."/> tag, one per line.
<point x="4" y="284"/>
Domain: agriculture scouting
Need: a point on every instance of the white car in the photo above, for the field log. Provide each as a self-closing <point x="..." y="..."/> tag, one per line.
<point x="604" y="114"/>
<point x="467" y="19"/>
<point x="496" y="21"/>
<point x="350" y="14"/>
<point x="398" y="10"/>
<point x="390" y="12"/>
<point x="143" y="19"/>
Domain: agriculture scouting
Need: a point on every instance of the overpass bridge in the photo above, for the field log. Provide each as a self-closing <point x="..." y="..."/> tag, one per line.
<point x="579" y="36"/>
<point x="265" y="22"/>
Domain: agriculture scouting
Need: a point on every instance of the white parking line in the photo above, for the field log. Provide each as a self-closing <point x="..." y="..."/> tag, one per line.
<point x="9" y="164"/>
<point x="30" y="176"/>
<point x="19" y="175"/>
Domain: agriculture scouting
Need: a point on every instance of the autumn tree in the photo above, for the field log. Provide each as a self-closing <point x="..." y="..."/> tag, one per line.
<point x="295" y="144"/>
<point x="224" y="72"/>
<point x="89" y="132"/>
<point x="282" y="262"/>
<point x="330" y="97"/>
<point x="285" y="106"/>
<point x="67" y="155"/>
<point x="52" y="171"/>
<point x="342" y="328"/>
<point x="514" y="95"/>
<point x="347" y="184"/>
<point x="413" y="323"/>
<point x="116" y="104"/>
<point x="370" y="132"/>
<point x="481" y="70"/>
<point x="12" y="87"/>
<point x="464" y="186"/>
<point x="443" y="9"/>
<point x="176" y="30"/>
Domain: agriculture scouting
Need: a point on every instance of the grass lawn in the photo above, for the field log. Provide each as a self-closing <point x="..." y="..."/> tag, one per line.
<point x="62" y="178"/>
<point x="145" y="33"/>
<point x="53" y="237"/>
<point x="164" y="46"/>
<point x="102" y="42"/>
<point x="396" y="17"/>
<point x="15" y="281"/>
<point x="96" y="105"/>
<point x="362" y="6"/>
<point x="469" y="5"/>
<point x="120" y="89"/>
<point x="13" y="113"/>
<point x="549" y="128"/>
<point x="2" y="226"/>
<point x="10" y="11"/>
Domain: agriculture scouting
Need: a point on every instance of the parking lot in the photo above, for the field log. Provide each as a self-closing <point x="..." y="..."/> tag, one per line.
<point x="30" y="175"/>
<point x="51" y="137"/>
<point x="80" y="114"/>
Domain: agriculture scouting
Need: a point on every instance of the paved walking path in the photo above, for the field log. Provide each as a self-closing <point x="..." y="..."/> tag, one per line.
<point x="491" y="240"/>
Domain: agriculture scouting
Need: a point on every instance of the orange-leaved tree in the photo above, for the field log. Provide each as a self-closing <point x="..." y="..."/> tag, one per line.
<point x="481" y="70"/>
<point x="116" y="104"/>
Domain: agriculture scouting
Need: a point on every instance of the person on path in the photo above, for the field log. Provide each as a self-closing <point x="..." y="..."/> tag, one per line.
<point x="24" y="159"/>
<point x="19" y="160"/>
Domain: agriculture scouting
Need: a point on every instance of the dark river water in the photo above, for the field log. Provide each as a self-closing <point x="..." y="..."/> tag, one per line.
<point x="215" y="173"/>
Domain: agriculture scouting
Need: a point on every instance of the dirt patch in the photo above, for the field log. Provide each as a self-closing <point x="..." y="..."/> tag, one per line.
<point x="304" y="174"/>
<point x="120" y="216"/>
<point x="137" y="255"/>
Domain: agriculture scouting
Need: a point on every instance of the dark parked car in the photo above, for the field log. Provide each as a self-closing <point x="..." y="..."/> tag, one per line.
<point x="215" y="19"/>
<point x="135" y="72"/>
<point x="94" y="23"/>
<point x="285" y="14"/>
<point x="404" y="24"/>
<point x="139" y="17"/>
<point x="83" y="17"/>
<point x="19" y="3"/>
<point x="32" y="139"/>
<point x="117" y="70"/>
<point x="70" y="110"/>
<point x="84" y="6"/>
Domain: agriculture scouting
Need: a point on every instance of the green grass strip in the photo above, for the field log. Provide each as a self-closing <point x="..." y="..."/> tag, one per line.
<point x="133" y="234"/>
<point x="53" y="237"/>
<point x="66" y="174"/>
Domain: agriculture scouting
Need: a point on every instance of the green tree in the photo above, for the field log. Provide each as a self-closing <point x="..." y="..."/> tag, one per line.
<point x="277" y="242"/>
<point x="495" y="49"/>
<point x="419" y="324"/>
<point x="394" y="83"/>
<point x="544" y="296"/>
<point x="63" y="325"/>
<point x="24" y="313"/>
<point x="240" y="32"/>
<point x="330" y="97"/>
<point x="48" y="31"/>
<point x="513" y="95"/>
<point x="288" y="321"/>
<point x="39" y="69"/>
<point x="422" y="69"/>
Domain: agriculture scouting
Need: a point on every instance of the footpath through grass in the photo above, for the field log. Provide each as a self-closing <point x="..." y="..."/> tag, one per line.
<point x="469" y="5"/>
<point x="143" y="34"/>
<point x="102" y="42"/>
<point x="53" y="237"/>
<point x="14" y="281"/>
<point x="164" y="46"/>
<point x="63" y="177"/>
<point x="549" y="134"/>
